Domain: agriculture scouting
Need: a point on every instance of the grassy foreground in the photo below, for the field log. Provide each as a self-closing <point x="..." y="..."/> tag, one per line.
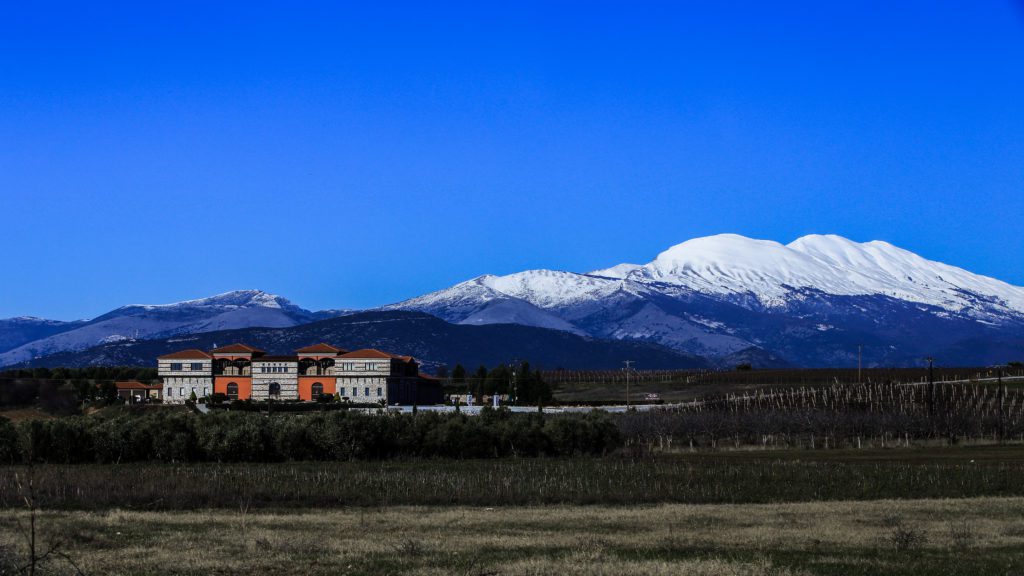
<point x="727" y="477"/>
<point x="922" y="537"/>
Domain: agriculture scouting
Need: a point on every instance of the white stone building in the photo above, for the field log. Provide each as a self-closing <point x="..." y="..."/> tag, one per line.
<point x="185" y="373"/>
<point x="275" y="377"/>
<point x="370" y="376"/>
<point x="242" y="372"/>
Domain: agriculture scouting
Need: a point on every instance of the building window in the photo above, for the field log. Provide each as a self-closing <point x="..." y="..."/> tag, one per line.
<point x="197" y="366"/>
<point x="206" y="391"/>
<point x="176" y="366"/>
<point x="370" y="366"/>
<point x="366" y="391"/>
<point x="316" y="390"/>
<point x="181" y="391"/>
<point x="170" y="392"/>
<point x="233" y="391"/>
<point x="355" y="391"/>
<point x="275" y="389"/>
<point x="379" y="392"/>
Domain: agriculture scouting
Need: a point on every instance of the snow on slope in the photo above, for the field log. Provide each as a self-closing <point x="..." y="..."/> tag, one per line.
<point x="551" y="288"/>
<point x="631" y="301"/>
<point x="730" y="264"/>
<point x="510" y="311"/>
<point x="479" y="301"/>
<point x="227" y="300"/>
<point x="619" y="271"/>
<point x="238" y="309"/>
<point x="907" y="276"/>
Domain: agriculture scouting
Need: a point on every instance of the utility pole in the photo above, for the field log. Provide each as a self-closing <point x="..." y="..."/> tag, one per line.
<point x="515" y="387"/>
<point x="627" y="363"/>
<point x="860" y="358"/>
<point x="1002" y="395"/>
<point x="931" y="391"/>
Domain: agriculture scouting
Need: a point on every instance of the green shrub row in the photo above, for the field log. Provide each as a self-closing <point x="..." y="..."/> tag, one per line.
<point x="251" y="437"/>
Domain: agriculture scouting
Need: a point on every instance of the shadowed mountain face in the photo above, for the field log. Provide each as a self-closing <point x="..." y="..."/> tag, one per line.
<point x="17" y="331"/>
<point x="432" y="341"/>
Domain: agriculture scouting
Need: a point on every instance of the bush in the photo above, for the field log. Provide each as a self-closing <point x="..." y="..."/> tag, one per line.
<point x="906" y="539"/>
<point x="243" y="436"/>
<point x="8" y="441"/>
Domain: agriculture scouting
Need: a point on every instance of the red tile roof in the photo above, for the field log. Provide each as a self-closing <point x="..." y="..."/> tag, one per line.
<point x="320" y="348"/>
<point x="367" y="353"/>
<point x="134" y="385"/>
<point x="191" y="354"/>
<point x="237" y="348"/>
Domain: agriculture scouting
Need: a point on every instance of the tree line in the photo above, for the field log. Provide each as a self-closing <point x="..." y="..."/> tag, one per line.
<point x="178" y="436"/>
<point x="526" y="386"/>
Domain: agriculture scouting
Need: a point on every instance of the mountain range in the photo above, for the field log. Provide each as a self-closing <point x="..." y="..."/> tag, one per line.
<point x="820" y="300"/>
<point x="432" y="341"/>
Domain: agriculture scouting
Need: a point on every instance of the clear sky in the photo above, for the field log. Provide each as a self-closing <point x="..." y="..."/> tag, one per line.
<point x="356" y="154"/>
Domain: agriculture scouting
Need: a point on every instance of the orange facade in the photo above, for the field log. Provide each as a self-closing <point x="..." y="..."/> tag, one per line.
<point x="244" y="384"/>
<point x="306" y="386"/>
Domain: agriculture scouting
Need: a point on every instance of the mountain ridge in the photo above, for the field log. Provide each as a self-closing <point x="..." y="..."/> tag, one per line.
<point x="235" y="309"/>
<point x="718" y="295"/>
<point x="811" y="302"/>
<point x="429" y="339"/>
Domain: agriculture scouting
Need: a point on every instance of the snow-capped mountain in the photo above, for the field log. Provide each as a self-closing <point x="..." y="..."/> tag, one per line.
<point x="729" y="265"/>
<point x="812" y="301"/>
<point x="238" y="309"/>
<point x="731" y="299"/>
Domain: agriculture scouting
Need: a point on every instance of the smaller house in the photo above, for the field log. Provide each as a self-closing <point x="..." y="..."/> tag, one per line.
<point x="135" y="392"/>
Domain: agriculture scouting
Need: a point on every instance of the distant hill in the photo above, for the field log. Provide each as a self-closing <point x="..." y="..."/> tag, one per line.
<point x="15" y="332"/>
<point x="28" y="338"/>
<point x="429" y="339"/>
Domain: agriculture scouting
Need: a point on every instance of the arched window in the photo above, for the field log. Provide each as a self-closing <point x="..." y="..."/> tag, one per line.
<point x="317" y="390"/>
<point x="233" y="391"/>
<point x="275" y="389"/>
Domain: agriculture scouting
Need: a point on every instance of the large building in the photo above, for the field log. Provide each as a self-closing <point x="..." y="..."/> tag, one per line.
<point x="241" y="372"/>
<point x="185" y="373"/>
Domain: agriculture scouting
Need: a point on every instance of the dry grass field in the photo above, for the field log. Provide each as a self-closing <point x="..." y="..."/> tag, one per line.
<point x="967" y="536"/>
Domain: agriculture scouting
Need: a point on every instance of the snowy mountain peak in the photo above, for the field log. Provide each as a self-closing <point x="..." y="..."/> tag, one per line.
<point x="235" y="298"/>
<point x="730" y="264"/>
<point x="715" y="296"/>
<point x="230" y="310"/>
<point x="744" y="270"/>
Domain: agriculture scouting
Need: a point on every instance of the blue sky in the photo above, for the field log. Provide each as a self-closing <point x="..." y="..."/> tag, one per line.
<point x="350" y="155"/>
